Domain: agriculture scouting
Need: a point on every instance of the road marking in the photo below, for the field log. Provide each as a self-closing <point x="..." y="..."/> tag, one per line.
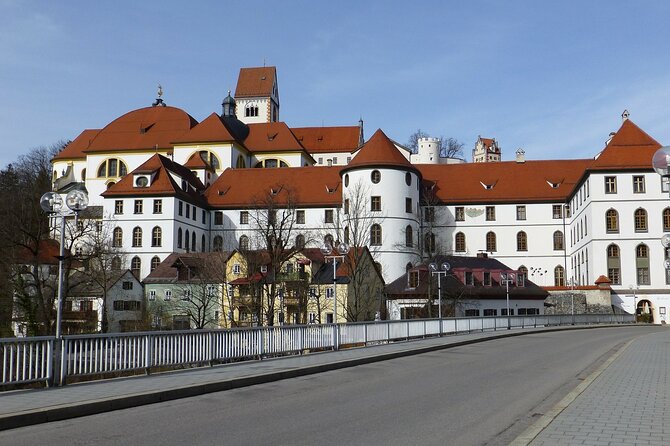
<point x="534" y="430"/>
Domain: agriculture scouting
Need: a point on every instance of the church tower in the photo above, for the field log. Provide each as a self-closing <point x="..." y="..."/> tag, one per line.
<point x="257" y="95"/>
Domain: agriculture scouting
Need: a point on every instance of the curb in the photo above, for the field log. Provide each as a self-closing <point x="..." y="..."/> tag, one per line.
<point x="92" y="407"/>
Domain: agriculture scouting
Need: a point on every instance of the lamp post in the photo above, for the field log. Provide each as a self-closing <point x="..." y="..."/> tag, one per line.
<point x="633" y="292"/>
<point x="661" y="164"/>
<point x="52" y="203"/>
<point x="342" y="250"/>
<point x="507" y="278"/>
<point x="444" y="268"/>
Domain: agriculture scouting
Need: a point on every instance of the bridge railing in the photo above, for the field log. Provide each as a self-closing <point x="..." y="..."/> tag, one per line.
<point x="43" y="359"/>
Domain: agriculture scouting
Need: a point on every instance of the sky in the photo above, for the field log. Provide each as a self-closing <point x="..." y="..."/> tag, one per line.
<point x="550" y="77"/>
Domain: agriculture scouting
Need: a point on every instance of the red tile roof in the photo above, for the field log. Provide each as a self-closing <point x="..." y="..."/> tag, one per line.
<point x="77" y="147"/>
<point x="255" y="82"/>
<point x="328" y="139"/>
<point x="272" y="137"/>
<point x="143" y="129"/>
<point x="196" y="162"/>
<point x="162" y="184"/>
<point x="630" y="148"/>
<point x="308" y="186"/>
<point x="512" y="182"/>
<point x="212" y="129"/>
<point x="379" y="151"/>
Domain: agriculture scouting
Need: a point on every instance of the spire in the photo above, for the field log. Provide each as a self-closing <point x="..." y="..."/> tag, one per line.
<point x="228" y="105"/>
<point x="361" y="136"/>
<point x="159" y="99"/>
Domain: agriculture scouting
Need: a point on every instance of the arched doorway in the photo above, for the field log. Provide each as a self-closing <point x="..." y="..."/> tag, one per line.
<point x="644" y="311"/>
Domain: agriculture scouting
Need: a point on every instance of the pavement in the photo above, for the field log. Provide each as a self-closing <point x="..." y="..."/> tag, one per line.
<point x="625" y="401"/>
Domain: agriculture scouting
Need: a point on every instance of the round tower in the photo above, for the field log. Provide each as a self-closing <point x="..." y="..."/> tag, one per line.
<point x="429" y="150"/>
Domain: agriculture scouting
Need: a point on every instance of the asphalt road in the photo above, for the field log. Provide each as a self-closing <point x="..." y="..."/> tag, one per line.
<point x="485" y="393"/>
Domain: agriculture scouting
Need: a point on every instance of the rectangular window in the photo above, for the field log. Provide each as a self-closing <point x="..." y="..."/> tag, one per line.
<point x="334" y="160"/>
<point x="521" y="212"/>
<point x="643" y="276"/>
<point x="471" y="313"/>
<point x="469" y="278"/>
<point x="186" y="295"/>
<point x="320" y="160"/>
<point x="138" y="206"/>
<point x="152" y="294"/>
<point x="610" y="185"/>
<point x="614" y="275"/>
<point x="348" y="159"/>
<point x="665" y="184"/>
<point x="300" y="217"/>
<point x="346" y="206"/>
<point x="237" y="268"/>
<point x="487" y="278"/>
<point x="413" y="279"/>
<point x="557" y="211"/>
<point x="667" y="276"/>
<point x="459" y="213"/>
<point x="98" y="226"/>
<point x="330" y="292"/>
<point x="203" y="216"/>
<point x="168" y="294"/>
<point x="490" y="213"/>
<point x="244" y="217"/>
<point x="375" y="204"/>
<point x="408" y="205"/>
<point x="491" y="312"/>
<point x="118" y="207"/>
<point x="328" y="216"/>
<point x="638" y="184"/>
<point x="218" y="218"/>
<point x="188" y="211"/>
<point x="180" y="208"/>
<point x="195" y="213"/>
<point x="503" y="312"/>
<point x="127" y="285"/>
<point x="158" y="206"/>
<point x="429" y="215"/>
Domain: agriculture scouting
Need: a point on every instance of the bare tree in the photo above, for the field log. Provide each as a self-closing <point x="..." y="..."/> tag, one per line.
<point x="449" y="147"/>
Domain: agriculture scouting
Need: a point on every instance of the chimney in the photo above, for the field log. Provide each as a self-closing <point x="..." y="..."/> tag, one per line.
<point x="482" y="255"/>
<point x="520" y="156"/>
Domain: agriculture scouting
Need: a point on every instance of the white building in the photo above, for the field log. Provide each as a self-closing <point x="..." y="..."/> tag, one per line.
<point x="183" y="185"/>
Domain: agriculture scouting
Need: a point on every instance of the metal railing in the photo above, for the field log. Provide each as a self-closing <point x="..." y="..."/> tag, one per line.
<point x="37" y="359"/>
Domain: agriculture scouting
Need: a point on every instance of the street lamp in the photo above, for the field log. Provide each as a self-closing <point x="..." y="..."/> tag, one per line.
<point x="633" y="292"/>
<point x="507" y="278"/>
<point x="661" y="164"/>
<point x="342" y="250"/>
<point x="445" y="267"/>
<point x="52" y="203"/>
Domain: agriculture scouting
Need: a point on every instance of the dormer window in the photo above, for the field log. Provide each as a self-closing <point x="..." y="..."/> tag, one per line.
<point x="412" y="279"/>
<point x="141" y="181"/>
<point x="488" y="186"/>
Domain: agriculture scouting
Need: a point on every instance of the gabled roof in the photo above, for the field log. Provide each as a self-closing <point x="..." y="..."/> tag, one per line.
<point x="196" y="162"/>
<point x="77" y="147"/>
<point x="162" y="183"/>
<point x="304" y="186"/>
<point x="211" y="129"/>
<point x="147" y="128"/>
<point x="167" y="271"/>
<point x="379" y="151"/>
<point x="272" y="137"/>
<point x="508" y="181"/>
<point x="255" y="82"/>
<point x="328" y="139"/>
<point x="630" y="148"/>
<point x="47" y="253"/>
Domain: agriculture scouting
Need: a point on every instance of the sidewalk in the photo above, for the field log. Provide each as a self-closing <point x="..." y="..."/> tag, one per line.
<point x="26" y="407"/>
<point x="625" y="402"/>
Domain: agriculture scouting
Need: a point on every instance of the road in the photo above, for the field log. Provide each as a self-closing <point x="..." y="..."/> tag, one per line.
<point x="485" y="393"/>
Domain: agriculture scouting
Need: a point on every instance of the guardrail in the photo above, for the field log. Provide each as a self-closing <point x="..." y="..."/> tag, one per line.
<point x="41" y="359"/>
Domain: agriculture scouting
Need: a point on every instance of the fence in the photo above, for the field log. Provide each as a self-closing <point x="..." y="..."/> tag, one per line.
<point x="42" y="359"/>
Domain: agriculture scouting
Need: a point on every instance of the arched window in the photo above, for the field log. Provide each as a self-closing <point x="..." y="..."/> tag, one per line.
<point x="328" y="239"/>
<point x="240" y="164"/>
<point x="523" y="271"/>
<point x="251" y="110"/>
<point x="429" y="242"/>
<point x="244" y="243"/>
<point x="346" y="180"/>
<point x="408" y="179"/>
<point x="136" y="266"/>
<point x="179" y="238"/>
<point x="83" y="174"/>
<point x="375" y="176"/>
<point x="642" y="264"/>
<point x="210" y="159"/>
<point x="202" y="243"/>
<point x="409" y="236"/>
<point x="300" y="241"/>
<point x="559" y="276"/>
<point x="116" y="263"/>
<point x="117" y="237"/>
<point x="187" y="240"/>
<point x="521" y="241"/>
<point x="558" y="241"/>
<point x="156" y="236"/>
<point x="408" y="266"/>
<point x="375" y="235"/>
<point x="137" y="237"/>
<point x="491" y="241"/>
<point x="460" y="242"/>
<point x="193" y="241"/>
<point x="155" y="261"/>
<point x="614" y="264"/>
<point x="612" y="221"/>
<point x="112" y="167"/>
<point x="218" y="243"/>
<point x="666" y="220"/>
<point x="640" y="217"/>
<point x="271" y="163"/>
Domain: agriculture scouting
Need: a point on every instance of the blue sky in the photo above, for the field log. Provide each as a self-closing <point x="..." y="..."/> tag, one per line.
<point x="550" y="77"/>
